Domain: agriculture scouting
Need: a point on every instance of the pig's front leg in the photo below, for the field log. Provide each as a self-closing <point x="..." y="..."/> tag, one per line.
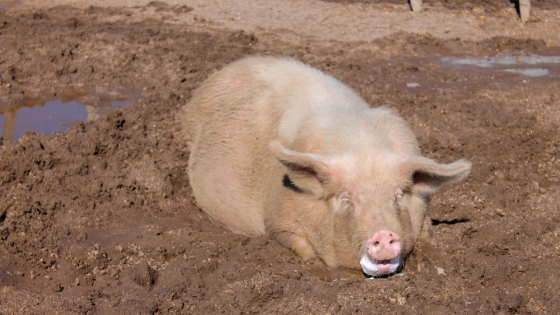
<point x="296" y="243"/>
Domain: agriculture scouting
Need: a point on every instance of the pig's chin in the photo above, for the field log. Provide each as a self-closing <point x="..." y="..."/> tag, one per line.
<point x="376" y="268"/>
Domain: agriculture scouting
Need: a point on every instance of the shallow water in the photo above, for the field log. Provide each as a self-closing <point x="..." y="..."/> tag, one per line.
<point x="508" y="68"/>
<point x="530" y="65"/>
<point x="52" y="116"/>
<point x="44" y="115"/>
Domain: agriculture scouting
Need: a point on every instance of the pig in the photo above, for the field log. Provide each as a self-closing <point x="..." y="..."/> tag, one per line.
<point x="281" y="149"/>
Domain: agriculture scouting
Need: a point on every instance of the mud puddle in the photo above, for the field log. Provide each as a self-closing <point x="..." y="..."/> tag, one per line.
<point x="508" y="68"/>
<point x="57" y="115"/>
<point x="530" y="65"/>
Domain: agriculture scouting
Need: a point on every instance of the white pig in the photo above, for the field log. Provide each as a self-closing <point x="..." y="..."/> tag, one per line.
<point x="278" y="148"/>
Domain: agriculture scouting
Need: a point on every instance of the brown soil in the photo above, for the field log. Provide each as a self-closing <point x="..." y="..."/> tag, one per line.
<point x="99" y="219"/>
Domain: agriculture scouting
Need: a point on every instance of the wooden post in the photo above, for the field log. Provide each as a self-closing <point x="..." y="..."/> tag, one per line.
<point x="524" y="10"/>
<point x="416" y="5"/>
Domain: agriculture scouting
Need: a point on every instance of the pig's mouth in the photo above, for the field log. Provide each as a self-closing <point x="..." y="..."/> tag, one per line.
<point x="376" y="268"/>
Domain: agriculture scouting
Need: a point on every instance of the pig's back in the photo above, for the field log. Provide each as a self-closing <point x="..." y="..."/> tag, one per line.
<point x="230" y="121"/>
<point x="304" y="93"/>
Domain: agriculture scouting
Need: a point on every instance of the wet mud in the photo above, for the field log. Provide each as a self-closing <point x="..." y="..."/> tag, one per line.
<point x="99" y="219"/>
<point x="57" y="113"/>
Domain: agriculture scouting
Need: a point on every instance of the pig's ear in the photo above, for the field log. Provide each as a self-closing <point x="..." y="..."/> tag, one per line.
<point x="307" y="172"/>
<point x="429" y="176"/>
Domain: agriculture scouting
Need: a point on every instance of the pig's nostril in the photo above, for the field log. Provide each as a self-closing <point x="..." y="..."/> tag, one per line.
<point x="376" y="244"/>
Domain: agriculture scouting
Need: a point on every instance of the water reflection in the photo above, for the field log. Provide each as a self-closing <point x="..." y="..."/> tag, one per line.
<point x="53" y="115"/>
<point x="506" y="68"/>
<point x="519" y="63"/>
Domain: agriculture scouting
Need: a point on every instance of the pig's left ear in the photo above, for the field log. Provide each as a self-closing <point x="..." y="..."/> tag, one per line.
<point x="429" y="176"/>
<point x="308" y="172"/>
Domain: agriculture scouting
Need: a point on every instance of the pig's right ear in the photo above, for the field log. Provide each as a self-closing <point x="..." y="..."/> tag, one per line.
<point x="308" y="172"/>
<point x="429" y="176"/>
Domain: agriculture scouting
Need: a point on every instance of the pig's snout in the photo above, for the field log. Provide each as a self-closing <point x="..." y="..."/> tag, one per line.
<point x="384" y="245"/>
<point x="383" y="252"/>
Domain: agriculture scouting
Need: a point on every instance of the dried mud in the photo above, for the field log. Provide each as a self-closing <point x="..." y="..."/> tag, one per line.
<point x="99" y="219"/>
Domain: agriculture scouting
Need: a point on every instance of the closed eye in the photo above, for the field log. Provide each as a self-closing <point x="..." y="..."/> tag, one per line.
<point x="345" y="202"/>
<point x="398" y="195"/>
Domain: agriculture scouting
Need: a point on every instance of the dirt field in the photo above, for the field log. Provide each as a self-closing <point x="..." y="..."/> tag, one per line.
<point x="99" y="219"/>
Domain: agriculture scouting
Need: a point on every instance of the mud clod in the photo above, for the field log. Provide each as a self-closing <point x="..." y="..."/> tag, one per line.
<point x="143" y="275"/>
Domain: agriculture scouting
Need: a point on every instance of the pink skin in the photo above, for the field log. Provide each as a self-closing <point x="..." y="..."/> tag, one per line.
<point x="383" y="247"/>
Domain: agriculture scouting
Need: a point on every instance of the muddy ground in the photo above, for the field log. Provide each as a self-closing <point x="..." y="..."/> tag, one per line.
<point x="99" y="219"/>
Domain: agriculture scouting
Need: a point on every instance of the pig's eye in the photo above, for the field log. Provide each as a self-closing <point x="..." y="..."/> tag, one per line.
<point x="398" y="193"/>
<point x="398" y="198"/>
<point x="344" y="202"/>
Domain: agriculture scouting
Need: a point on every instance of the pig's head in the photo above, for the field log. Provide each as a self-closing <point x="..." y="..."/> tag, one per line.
<point x="369" y="206"/>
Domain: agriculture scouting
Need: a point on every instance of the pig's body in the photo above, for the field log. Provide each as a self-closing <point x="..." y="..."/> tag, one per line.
<point x="281" y="149"/>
